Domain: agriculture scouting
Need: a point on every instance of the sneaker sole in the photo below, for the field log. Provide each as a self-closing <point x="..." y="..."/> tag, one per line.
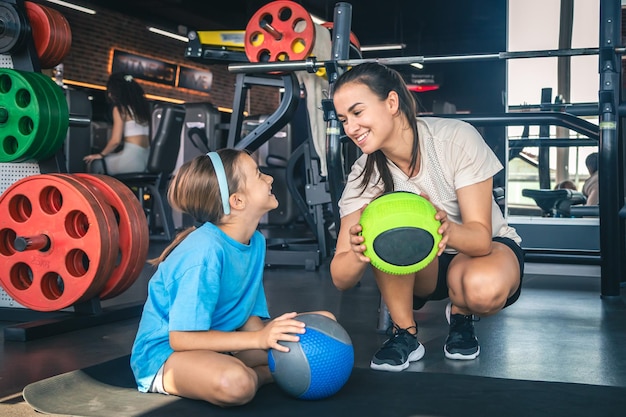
<point x="414" y="356"/>
<point x="460" y="356"/>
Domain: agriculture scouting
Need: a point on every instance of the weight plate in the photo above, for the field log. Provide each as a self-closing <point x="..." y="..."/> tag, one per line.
<point x="48" y="117"/>
<point x="58" y="116"/>
<point x="14" y="27"/>
<point x="51" y="34"/>
<point x="279" y="31"/>
<point x="62" y="40"/>
<point x="40" y="26"/>
<point x="82" y="233"/>
<point x="133" y="232"/>
<point x="26" y="121"/>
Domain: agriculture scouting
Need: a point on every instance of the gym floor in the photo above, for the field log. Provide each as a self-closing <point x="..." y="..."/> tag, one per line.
<point x="560" y="330"/>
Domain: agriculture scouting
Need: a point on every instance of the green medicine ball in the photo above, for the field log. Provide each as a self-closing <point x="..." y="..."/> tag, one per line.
<point x="400" y="232"/>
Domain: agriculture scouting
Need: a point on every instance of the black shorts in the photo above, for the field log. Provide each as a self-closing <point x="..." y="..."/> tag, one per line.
<point x="441" y="291"/>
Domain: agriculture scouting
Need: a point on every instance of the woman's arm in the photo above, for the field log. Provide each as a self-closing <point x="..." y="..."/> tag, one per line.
<point x="473" y="236"/>
<point x="349" y="263"/>
<point x="117" y="134"/>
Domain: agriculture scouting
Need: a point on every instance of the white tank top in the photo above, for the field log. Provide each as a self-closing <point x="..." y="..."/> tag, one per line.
<point x="132" y="128"/>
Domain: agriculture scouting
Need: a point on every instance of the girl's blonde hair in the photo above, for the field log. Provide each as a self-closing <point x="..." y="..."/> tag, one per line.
<point x="195" y="190"/>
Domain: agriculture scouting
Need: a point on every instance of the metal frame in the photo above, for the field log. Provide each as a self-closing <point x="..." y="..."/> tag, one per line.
<point x="612" y="153"/>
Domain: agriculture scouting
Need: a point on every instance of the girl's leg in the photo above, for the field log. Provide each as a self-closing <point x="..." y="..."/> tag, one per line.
<point x="218" y="378"/>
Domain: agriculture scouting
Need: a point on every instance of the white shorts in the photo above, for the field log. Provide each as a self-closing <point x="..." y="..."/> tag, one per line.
<point x="157" y="382"/>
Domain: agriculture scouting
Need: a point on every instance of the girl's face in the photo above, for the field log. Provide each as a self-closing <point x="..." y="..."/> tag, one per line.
<point x="366" y="119"/>
<point x="258" y="186"/>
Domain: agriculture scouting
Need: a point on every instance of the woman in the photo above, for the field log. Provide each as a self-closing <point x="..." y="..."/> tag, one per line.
<point x="479" y="264"/>
<point x="131" y="126"/>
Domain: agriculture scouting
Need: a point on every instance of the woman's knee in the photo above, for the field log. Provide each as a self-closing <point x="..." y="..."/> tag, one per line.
<point x="482" y="294"/>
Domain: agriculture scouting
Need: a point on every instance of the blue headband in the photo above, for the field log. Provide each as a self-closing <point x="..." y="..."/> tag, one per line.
<point x="218" y="167"/>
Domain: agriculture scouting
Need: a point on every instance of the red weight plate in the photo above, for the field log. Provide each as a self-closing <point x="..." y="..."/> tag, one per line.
<point x="61" y="39"/>
<point x="353" y="39"/>
<point x="279" y="31"/>
<point x="41" y="26"/>
<point x="51" y="34"/>
<point x="110" y="238"/>
<point x="80" y="257"/>
<point x="134" y="237"/>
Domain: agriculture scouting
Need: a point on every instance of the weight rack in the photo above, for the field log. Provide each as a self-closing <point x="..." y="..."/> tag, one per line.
<point x="18" y="52"/>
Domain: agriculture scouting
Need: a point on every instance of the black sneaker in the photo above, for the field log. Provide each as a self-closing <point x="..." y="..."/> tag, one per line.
<point x="398" y="351"/>
<point x="461" y="342"/>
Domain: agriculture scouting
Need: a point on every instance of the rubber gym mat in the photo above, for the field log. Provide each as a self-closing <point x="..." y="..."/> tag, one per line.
<point x="108" y="389"/>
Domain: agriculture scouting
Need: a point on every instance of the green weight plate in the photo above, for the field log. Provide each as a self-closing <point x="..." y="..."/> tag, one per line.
<point x="23" y="126"/>
<point x="48" y="125"/>
<point x="61" y="114"/>
<point x="58" y="116"/>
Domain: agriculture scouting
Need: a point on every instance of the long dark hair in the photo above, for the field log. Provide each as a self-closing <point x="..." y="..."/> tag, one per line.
<point x="195" y="190"/>
<point x="381" y="80"/>
<point x="127" y="95"/>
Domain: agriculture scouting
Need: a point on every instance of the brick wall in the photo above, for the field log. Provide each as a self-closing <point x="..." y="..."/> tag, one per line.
<point x="95" y="36"/>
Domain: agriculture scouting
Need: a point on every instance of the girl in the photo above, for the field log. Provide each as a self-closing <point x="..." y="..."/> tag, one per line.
<point x="131" y="126"/>
<point x="202" y="334"/>
<point x="480" y="262"/>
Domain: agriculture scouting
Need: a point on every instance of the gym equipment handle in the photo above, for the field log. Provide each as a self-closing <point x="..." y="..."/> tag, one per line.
<point x="77" y="120"/>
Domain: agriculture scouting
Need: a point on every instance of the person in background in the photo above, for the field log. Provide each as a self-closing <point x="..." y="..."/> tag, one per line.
<point x="566" y="185"/>
<point x="204" y="332"/>
<point x="590" y="187"/>
<point x="131" y="128"/>
<point x="479" y="266"/>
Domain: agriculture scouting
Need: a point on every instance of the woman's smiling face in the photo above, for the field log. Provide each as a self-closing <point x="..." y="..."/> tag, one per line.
<point x="366" y="119"/>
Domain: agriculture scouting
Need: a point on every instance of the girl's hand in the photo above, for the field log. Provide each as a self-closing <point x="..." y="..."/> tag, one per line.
<point x="282" y="328"/>
<point x="89" y="158"/>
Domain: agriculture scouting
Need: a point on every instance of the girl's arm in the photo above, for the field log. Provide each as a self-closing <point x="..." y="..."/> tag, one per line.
<point x="253" y="335"/>
<point x="473" y="236"/>
<point x="349" y="263"/>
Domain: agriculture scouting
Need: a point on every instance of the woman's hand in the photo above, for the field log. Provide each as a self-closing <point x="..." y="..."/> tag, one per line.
<point x="444" y="229"/>
<point x="89" y="158"/>
<point x="356" y="240"/>
<point x="282" y="328"/>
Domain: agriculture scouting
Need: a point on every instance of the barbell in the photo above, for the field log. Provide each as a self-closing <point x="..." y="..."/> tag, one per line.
<point x="312" y="65"/>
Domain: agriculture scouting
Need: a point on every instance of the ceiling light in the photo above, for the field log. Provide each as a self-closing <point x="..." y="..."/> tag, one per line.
<point x="73" y="6"/>
<point x="417" y="65"/>
<point x="168" y="34"/>
<point x="383" y="47"/>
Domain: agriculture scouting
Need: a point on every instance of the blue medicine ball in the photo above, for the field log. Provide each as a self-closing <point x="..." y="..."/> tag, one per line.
<point x="319" y="364"/>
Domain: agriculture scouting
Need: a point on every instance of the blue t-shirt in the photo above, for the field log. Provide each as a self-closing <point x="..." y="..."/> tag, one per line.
<point x="209" y="281"/>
